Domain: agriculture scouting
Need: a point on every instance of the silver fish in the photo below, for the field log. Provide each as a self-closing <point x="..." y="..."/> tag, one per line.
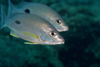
<point x="32" y="28"/>
<point x="42" y="10"/>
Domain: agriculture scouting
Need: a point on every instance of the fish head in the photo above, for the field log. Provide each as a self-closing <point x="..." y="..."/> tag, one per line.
<point x="51" y="36"/>
<point x="59" y="23"/>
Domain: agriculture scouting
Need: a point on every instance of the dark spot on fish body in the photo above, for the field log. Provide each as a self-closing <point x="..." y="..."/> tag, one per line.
<point x="27" y="11"/>
<point x="17" y="22"/>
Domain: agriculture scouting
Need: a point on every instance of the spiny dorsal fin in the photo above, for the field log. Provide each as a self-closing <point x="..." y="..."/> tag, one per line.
<point x="11" y="8"/>
<point x="22" y="4"/>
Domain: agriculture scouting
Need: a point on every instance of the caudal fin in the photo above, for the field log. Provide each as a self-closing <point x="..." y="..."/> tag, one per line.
<point x="11" y="8"/>
<point x="3" y="18"/>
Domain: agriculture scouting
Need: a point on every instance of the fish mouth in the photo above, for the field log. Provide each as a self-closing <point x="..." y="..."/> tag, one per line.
<point x="63" y="29"/>
<point x="54" y="43"/>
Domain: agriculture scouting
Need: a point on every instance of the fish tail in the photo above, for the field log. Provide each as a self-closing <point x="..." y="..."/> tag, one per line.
<point x="3" y="18"/>
<point x="11" y="8"/>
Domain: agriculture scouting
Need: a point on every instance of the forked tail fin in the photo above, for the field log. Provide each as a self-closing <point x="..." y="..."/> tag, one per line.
<point x="3" y="18"/>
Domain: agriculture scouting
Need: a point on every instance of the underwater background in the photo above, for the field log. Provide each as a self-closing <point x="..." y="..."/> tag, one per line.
<point x="82" y="40"/>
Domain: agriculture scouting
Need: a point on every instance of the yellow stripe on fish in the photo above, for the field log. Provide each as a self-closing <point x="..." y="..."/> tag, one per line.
<point x="31" y="34"/>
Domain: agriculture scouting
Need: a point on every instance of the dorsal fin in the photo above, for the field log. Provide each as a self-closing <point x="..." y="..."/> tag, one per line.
<point x="11" y="8"/>
<point x="22" y="4"/>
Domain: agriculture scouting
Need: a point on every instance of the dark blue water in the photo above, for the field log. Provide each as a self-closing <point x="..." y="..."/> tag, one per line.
<point x="82" y="40"/>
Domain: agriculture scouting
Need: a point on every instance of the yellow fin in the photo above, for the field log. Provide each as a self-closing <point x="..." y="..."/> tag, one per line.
<point x="12" y="34"/>
<point x="31" y="34"/>
<point x="29" y="43"/>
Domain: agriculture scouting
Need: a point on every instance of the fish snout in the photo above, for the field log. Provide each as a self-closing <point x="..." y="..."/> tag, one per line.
<point x="62" y="41"/>
<point x="65" y="28"/>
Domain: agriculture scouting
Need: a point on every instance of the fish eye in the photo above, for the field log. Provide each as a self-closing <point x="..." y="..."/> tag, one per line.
<point x="52" y="34"/>
<point x="17" y="22"/>
<point x="27" y="11"/>
<point x="58" y="21"/>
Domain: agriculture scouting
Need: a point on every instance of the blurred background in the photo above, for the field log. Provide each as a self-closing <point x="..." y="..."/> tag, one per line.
<point x="82" y="40"/>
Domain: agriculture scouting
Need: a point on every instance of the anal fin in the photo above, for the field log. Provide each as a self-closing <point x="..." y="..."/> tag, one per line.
<point x="12" y="34"/>
<point x="29" y="43"/>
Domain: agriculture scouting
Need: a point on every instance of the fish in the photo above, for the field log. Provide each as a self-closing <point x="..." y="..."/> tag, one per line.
<point x="32" y="28"/>
<point x="42" y="10"/>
